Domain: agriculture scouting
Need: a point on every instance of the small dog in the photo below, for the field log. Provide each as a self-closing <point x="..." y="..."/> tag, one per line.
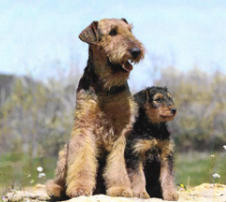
<point x="149" y="151"/>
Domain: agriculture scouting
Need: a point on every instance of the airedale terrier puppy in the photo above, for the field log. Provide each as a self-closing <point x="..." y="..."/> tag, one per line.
<point x="105" y="112"/>
<point x="149" y="150"/>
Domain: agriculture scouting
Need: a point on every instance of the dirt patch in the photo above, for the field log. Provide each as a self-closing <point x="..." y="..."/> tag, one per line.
<point x="202" y="193"/>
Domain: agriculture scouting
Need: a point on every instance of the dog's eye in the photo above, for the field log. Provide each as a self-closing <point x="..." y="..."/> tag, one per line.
<point x="113" y="32"/>
<point x="158" y="100"/>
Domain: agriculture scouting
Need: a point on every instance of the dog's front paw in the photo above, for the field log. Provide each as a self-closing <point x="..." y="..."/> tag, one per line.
<point x="170" y="195"/>
<point x="53" y="189"/>
<point x="79" y="192"/>
<point x="143" y="194"/>
<point x="119" y="191"/>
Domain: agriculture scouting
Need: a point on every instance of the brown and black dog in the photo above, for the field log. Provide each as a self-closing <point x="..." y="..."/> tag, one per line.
<point x="105" y="112"/>
<point x="149" y="150"/>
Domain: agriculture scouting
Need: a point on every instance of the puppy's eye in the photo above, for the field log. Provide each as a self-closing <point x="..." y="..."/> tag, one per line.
<point x="113" y="32"/>
<point x="158" y="100"/>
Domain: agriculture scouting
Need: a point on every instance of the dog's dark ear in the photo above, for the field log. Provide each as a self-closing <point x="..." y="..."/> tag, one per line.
<point x="90" y="34"/>
<point x="123" y="19"/>
<point x="142" y="97"/>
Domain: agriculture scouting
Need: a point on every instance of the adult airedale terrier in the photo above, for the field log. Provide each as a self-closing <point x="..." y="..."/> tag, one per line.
<point x="105" y="112"/>
<point x="149" y="150"/>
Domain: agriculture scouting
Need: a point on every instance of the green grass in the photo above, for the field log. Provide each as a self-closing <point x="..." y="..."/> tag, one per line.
<point x="195" y="168"/>
<point x="18" y="170"/>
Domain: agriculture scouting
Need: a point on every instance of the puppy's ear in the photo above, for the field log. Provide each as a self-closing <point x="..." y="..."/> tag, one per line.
<point x="142" y="97"/>
<point x="90" y="34"/>
<point x="123" y="19"/>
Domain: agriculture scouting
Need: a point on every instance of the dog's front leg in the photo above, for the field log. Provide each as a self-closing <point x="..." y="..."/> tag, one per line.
<point x="82" y="149"/>
<point x="137" y="179"/>
<point x="115" y="175"/>
<point x="82" y="164"/>
<point x="169" y="191"/>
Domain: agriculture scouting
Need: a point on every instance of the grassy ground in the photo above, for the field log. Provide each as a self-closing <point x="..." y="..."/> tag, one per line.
<point x="17" y="170"/>
<point x="195" y="168"/>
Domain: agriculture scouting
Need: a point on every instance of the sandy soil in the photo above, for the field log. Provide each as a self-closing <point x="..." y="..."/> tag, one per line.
<point x="202" y="193"/>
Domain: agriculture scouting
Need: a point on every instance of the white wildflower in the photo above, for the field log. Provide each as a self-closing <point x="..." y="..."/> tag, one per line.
<point x="216" y="175"/>
<point x="39" y="169"/>
<point x="40" y="175"/>
<point x="224" y="146"/>
<point x="212" y="155"/>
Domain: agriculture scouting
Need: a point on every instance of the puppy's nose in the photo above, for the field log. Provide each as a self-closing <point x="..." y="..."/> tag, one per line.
<point x="173" y="110"/>
<point x="135" y="52"/>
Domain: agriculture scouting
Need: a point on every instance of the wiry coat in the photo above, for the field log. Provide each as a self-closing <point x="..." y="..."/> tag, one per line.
<point x="105" y="112"/>
<point x="149" y="150"/>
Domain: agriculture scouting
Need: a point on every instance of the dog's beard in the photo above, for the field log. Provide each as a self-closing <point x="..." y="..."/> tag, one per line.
<point x="125" y="67"/>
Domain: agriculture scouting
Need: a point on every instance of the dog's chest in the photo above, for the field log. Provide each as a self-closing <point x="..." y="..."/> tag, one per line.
<point x="117" y="113"/>
<point x="153" y="149"/>
<point x="117" y="116"/>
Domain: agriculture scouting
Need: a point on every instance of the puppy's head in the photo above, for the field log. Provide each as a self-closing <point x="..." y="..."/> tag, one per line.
<point x="157" y="103"/>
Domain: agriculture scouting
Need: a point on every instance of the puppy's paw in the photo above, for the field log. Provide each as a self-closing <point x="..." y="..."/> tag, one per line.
<point x="170" y="195"/>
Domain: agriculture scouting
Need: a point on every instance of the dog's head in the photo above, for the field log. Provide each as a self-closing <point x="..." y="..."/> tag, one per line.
<point x="158" y="104"/>
<point x="114" y="46"/>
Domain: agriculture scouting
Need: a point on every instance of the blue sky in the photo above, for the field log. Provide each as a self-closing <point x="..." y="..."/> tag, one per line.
<point x="40" y="37"/>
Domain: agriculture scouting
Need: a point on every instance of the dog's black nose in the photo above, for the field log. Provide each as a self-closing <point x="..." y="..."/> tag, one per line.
<point x="173" y="110"/>
<point x="135" y="52"/>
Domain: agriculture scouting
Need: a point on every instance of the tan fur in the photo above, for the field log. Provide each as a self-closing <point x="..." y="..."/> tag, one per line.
<point x="115" y="174"/>
<point x="169" y="190"/>
<point x="143" y="146"/>
<point x="106" y="75"/>
<point x="82" y="162"/>
<point x="166" y="147"/>
<point x="138" y="182"/>
<point x="102" y="120"/>
<point x="56" y="187"/>
<point x="157" y="95"/>
<point x="154" y="114"/>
